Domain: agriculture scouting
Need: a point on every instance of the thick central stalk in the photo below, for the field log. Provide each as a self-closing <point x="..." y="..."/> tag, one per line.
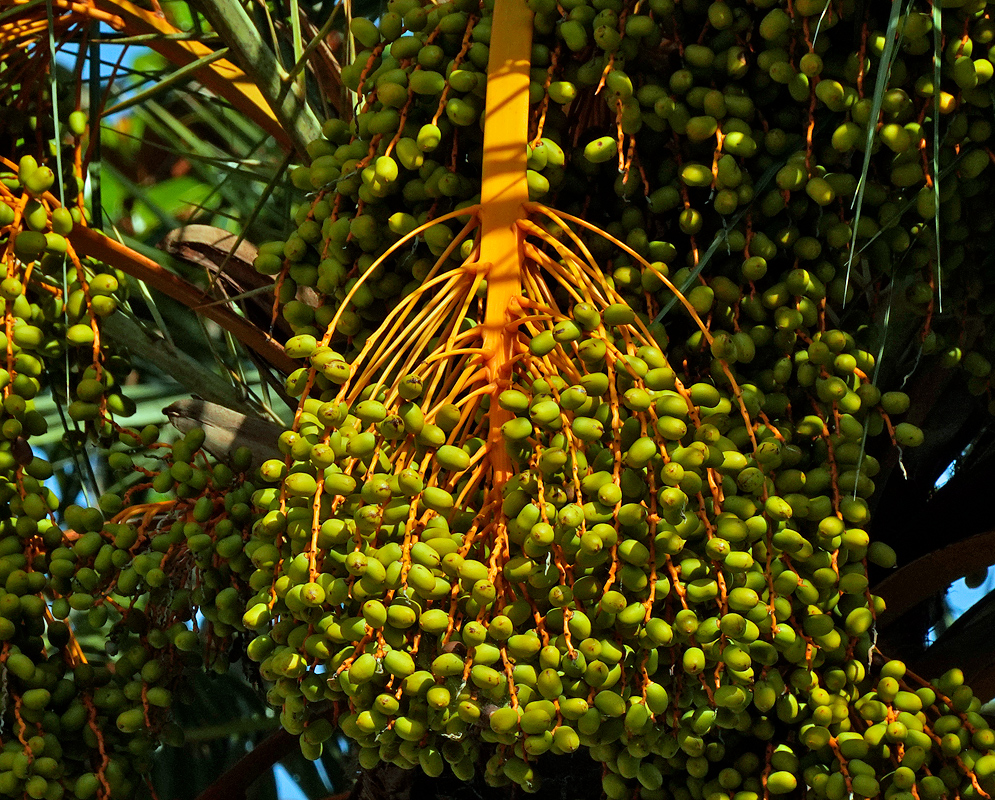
<point x="503" y="191"/>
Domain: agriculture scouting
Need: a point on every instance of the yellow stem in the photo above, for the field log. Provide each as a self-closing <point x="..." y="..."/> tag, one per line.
<point x="566" y="280"/>
<point x="584" y="274"/>
<point x="422" y="337"/>
<point x="394" y="248"/>
<point x="503" y="193"/>
<point x="435" y="376"/>
<point x="444" y="335"/>
<point x="415" y="336"/>
<point x="379" y="348"/>
<point x="591" y="262"/>
<point x="454" y="331"/>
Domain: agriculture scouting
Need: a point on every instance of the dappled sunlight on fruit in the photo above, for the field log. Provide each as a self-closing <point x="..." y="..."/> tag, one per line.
<point x="589" y="308"/>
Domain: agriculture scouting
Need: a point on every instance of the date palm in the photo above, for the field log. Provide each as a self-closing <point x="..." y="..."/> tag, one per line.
<point x="238" y="99"/>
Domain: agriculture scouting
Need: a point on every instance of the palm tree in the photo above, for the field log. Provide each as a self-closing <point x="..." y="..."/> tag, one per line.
<point x="655" y="332"/>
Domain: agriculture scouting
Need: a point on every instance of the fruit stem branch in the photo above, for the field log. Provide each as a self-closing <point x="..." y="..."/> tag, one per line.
<point x="504" y="191"/>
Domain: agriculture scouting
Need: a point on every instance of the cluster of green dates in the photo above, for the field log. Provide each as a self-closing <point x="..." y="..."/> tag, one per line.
<point x="374" y="181"/>
<point x="764" y="157"/>
<point x="86" y="724"/>
<point x="47" y="335"/>
<point x="75" y="723"/>
<point x="66" y="716"/>
<point x="46" y="322"/>
<point x="43" y="229"/>
<point x="676" y="581"/>
<point x="782" y="163"/>
<point x="656" y="589"/>
<point x="57" y="712"/>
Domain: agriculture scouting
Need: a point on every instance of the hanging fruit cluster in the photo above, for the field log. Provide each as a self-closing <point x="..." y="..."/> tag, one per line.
<point x="586" y="529"/>
<point x="728" y="135"/>
<point x="127" y="573"/>
<point x="604" y="488"/>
